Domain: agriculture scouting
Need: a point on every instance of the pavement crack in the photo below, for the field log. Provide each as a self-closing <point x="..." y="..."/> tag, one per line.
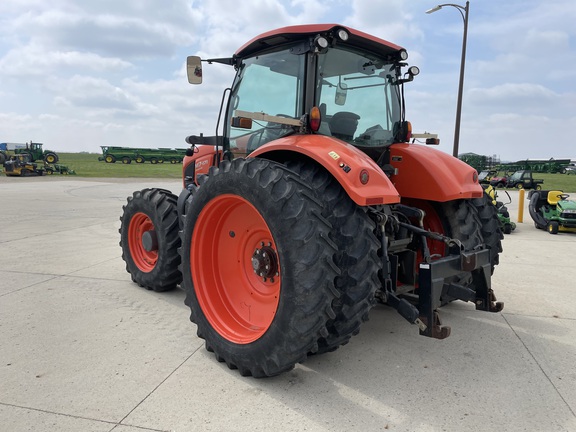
<point x="540" y="367"/>
<point x="74" y="416"/>
<point x="156" y="388"/>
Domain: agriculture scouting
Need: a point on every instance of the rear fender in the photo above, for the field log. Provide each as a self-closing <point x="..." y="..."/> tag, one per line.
<point x="199" y="163"/>
<point x="345" y="162"/>
<point x="429" y="174"/>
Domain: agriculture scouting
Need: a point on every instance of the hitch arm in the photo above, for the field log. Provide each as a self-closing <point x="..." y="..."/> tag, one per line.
<point x="432" y="280"/>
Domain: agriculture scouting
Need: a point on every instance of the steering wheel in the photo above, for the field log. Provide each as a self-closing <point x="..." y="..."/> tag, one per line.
<point x="563" y="196"/>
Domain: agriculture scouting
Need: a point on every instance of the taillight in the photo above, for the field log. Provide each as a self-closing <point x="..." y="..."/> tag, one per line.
<point x="364" y="176"/>
<point x="315" y="119"/>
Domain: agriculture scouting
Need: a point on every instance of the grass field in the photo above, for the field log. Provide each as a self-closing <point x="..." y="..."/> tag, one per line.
<point x="87" y="165"/>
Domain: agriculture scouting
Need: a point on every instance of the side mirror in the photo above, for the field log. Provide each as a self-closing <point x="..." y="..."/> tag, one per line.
<point x="194" y="69"/>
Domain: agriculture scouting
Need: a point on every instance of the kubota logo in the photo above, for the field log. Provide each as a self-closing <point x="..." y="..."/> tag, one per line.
<point x="200" y="164"/>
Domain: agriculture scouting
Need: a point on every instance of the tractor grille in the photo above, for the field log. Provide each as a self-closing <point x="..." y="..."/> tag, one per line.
<point x="569" y="216"/>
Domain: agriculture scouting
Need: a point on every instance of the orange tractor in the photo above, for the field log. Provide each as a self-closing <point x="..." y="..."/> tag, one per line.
<point x="309" y="205"/>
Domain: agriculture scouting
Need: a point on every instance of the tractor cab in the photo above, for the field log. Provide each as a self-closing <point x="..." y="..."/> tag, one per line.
<point x="318" y="79"/>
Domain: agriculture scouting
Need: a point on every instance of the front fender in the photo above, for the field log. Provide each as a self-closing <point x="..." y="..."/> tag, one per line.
<point x="344" y="161"/>
<point x="203" y="158"/>
<point x="426" y="173"/>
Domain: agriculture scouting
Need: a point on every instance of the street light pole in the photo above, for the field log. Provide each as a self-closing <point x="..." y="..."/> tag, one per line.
<point x="464" y="12"/>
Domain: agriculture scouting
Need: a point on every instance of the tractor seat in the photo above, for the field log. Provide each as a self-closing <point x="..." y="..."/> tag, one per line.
<point x="554" y="197"/>
<point x="343" y="125"/>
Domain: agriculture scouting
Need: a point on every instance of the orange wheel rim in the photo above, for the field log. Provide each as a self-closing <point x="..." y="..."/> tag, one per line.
<point x="432" y="222"/>
<point x="145" y="260"/>
<point x="236" y="270"/>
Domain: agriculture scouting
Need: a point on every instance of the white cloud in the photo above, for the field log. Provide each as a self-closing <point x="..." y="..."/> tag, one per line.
<point x="515" y="94"/>
<point x="34" y="60"/>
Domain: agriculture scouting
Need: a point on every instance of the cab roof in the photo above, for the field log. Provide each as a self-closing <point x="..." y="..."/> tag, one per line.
<point x="284" y="35"/>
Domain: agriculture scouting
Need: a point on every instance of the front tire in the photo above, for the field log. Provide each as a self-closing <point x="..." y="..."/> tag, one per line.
<point x="553" y="227"/>
<point x="257" y="266"/>
<point x="149" y="239"/>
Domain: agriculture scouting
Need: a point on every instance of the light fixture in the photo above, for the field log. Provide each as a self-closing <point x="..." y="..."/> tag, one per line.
<point x="342" y="35"/>
<point x="434" y="9"/>
<point x="413" y="70"/>
<point x="321" y="42"/>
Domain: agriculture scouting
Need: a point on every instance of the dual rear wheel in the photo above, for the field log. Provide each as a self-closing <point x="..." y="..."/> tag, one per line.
<point x="258" y="266"/>
<point x="276" y="260"/>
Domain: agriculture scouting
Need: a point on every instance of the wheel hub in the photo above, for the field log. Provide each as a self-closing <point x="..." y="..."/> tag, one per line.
<point x="265" y="262"/>
<point x="150" y="241"/>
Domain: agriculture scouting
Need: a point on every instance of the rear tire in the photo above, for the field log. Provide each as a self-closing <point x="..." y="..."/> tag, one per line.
<point x="260" y="320"/>
<point x="461" y="220"/>
<point x="51" y="158"/>
<point x="356" y="257"/>
<point x="490" y="228"/>
<point x="149" y="239"/>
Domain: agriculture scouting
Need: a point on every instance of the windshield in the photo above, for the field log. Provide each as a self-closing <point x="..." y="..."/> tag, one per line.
<point x="516" y="176"/>
<point x="359" y="97"/>
<point x="270" y="84"/>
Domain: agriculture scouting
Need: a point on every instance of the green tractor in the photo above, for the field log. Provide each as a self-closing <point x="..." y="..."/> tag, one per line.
<point x="553" y="211"/>
<point x="33" y="149"/>
<point x="506" y="225"/>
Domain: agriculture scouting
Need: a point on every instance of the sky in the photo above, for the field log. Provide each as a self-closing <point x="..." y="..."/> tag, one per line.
<point x="79" y="74"/>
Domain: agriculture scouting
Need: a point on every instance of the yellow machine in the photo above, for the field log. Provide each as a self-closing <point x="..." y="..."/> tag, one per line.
<point x="21" y="165"/>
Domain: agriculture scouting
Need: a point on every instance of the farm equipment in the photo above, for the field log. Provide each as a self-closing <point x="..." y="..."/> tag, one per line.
<point x="33" y="149"/>
<point x="310" y="205"/>
<point x="58" y="169"/>
<point x="21" y="165"/>
<point x="552" y="211"/>
<point x="523" y="180"/>
<point x="112" y="154"/>
<point x="484" y="177"/>
<point x="498" y="181"/>
<point x="506" y="225"/>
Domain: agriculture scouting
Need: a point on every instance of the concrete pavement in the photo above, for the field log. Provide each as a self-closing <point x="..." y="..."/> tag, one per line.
<point x="82" y="348"/>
